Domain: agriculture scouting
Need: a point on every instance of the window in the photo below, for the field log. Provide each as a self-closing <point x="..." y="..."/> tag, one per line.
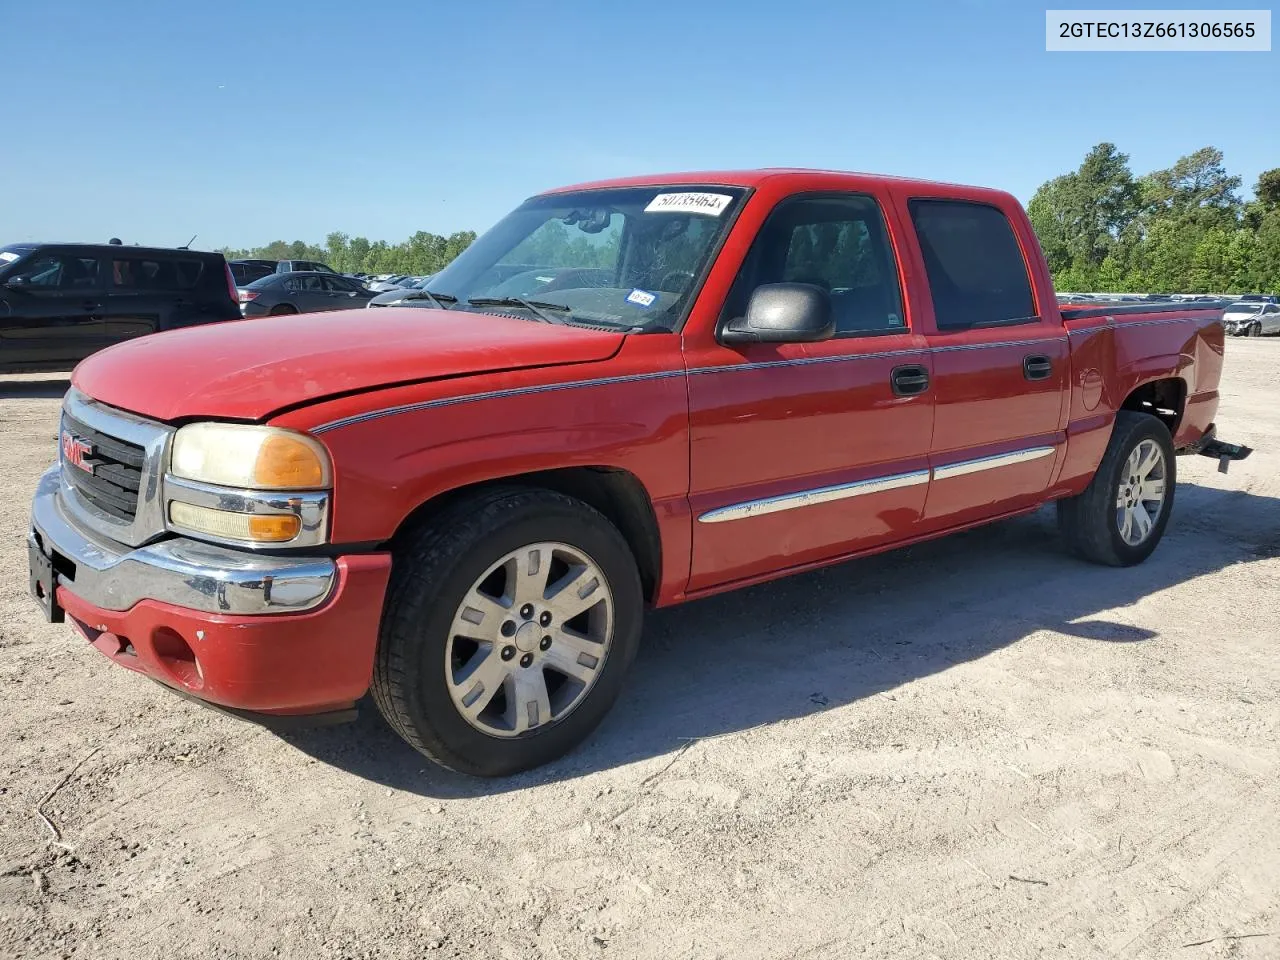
<point x="311" y="284"/>
<point x="977" y="276"/>
<point x="838" y="243"/>
<point x="53" y="271"/>
<point x="629" y="257"/>
<point x="155" y="274"/>
<point x="336" y="284"/>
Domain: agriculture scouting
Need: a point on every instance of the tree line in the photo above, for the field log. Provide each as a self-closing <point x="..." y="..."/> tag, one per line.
<point x="421" y="254"/>
<point x="1181" y="230"/>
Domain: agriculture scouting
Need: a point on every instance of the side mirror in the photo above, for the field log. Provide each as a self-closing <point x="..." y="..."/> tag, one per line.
<point x="16" y="283"/>
<point x="783" y="313"/>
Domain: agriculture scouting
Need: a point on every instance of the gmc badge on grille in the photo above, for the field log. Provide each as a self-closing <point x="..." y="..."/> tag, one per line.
<point x="75" y="450"/>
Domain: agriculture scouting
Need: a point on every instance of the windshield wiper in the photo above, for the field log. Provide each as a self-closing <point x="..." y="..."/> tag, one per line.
<point x="537" y="307"/>
<point x="435" y="299"/>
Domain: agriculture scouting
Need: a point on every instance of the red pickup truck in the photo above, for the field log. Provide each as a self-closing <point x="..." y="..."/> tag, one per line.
<point x="627" y="393"/>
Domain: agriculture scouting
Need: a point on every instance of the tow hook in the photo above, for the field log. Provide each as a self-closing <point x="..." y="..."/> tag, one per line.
<point x="1210" y="446"/>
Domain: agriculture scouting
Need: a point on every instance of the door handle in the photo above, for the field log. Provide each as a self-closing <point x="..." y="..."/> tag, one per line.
<point x="91" y="305"/>
<point x="1037" y="366"/>
<point x="909" y="380"/>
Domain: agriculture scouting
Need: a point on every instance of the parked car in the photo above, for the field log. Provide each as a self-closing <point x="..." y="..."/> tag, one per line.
<point x="300" y="292"/>
<point x="307" y="266"/>
<point x="1263" y="297"/>
<point x="392" y="282"/>
<point x="1252" y="318"/>
<point x="247" y="271"/>
<point x="469" y="514"/>
<point x="61" y="302"/>
<point x="402" y="296"/>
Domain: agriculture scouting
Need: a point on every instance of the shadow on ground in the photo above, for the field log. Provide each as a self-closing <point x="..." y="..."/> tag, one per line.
<point x="34" y="389"/>
<point x="819" y="640"/>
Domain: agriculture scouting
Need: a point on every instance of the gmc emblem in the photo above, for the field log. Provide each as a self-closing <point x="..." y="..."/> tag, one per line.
<point x="75" y="450"/>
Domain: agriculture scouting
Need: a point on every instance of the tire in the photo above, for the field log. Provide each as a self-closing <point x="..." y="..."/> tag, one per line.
<point x="281" y="310"/>
<point x="427" y="646"/>
<point x="1093" y="522"/>
<point x="1255" y="330"/>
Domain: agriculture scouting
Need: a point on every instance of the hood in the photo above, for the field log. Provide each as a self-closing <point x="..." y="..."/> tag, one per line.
<point x="248" y="369"/>
<point x="396" y="293"/>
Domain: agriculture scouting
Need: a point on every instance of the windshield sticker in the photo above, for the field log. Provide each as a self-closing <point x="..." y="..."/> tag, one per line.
<point x="642" y="298"/>
<point x="711" y="204"/>
<point x="7" y="256"/>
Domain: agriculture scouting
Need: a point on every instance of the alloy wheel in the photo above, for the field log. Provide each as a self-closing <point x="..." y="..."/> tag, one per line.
<point x="1141" y="493"/>
<point x="529" y="639"/>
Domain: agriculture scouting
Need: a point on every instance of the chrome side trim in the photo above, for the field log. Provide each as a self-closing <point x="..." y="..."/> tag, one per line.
<point x="186" y="573"/>
<point x="311" y="508"/>
<point x="964" y="467"/>
<point x="148" y="520"/>
<point x="807" y="498"/>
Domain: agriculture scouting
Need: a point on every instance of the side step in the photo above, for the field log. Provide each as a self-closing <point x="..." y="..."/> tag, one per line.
<point x="1210" y="446"/>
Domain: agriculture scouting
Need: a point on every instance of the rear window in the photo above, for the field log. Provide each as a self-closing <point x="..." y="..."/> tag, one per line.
<point x="270" y="280"/>
<point x="155" y="274"/>
<point x="977" y="276"/>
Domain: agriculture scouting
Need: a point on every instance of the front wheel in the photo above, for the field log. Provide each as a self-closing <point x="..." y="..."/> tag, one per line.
<point x="1255" y="330"/>
<point x="1122" y="514"/>
<point x="509" y="626"/>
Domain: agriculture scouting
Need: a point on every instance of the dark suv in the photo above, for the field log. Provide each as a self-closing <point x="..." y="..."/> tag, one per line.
<point x="60" y="302"/>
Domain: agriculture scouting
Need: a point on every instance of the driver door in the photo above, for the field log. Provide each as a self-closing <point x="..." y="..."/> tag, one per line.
<point x="803" y="452"/>
<point x="55" y="311"/>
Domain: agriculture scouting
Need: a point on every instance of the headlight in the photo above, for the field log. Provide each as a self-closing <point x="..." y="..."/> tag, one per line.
<point x="251" y="457"/>
<point x="248" y="485"/>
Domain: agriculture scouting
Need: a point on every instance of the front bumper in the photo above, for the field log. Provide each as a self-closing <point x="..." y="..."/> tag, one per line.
<point x="269" y="635"/>
<point x="183" y="572"/>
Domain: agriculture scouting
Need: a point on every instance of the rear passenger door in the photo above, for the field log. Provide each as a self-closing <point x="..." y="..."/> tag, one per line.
<point x="1000" y="366"/>
<point x="309" y="293"/>
<point x="134" y="304"/>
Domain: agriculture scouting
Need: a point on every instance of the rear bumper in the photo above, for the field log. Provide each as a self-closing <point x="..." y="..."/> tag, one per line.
<point x="277" y="636"/>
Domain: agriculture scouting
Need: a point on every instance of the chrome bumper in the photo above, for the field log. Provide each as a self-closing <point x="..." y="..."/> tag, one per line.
<point x="183" y="572"/>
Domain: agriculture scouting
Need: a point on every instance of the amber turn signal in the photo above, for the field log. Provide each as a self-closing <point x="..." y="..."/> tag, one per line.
<point x="252" y="528"/>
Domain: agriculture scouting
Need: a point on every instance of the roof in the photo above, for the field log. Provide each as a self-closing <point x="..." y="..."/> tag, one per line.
<point x="110" y="247"/>
<point x="754" y="178"/>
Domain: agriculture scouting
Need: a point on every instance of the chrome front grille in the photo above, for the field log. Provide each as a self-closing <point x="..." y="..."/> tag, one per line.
<point x="115" y="487"/>
<point x="109" y="474"/>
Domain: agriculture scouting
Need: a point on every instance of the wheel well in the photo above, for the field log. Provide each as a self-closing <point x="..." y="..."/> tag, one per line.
<point x="1164" y="399"/>
<point x="617" y="494"/>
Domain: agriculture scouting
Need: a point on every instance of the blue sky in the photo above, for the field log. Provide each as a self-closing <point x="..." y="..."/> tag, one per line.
<point x="248" y="121"/>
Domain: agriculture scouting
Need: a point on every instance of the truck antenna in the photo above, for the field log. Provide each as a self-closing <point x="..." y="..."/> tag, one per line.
<point x="187" y="245"/>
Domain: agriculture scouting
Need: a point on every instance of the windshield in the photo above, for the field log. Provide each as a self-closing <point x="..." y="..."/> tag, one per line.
<point x="629" y="257"/>
<point x="12" y="254"/>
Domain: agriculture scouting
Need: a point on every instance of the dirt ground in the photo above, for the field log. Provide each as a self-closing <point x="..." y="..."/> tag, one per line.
<point x="976" y="748"/>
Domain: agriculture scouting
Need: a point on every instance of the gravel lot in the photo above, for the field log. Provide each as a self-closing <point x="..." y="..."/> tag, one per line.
<point x="976" y="748"/>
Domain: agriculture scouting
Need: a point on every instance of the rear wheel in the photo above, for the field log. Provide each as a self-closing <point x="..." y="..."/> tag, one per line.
<point x="281" y="309"/>
<point x="509" y="626"/>
<point x="1122" y="514"/>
